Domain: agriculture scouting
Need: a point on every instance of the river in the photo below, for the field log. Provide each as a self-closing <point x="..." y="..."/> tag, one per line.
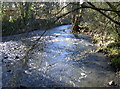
<point x="60" y="59"/>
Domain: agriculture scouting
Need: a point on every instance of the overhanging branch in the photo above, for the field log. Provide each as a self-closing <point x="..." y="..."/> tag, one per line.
<point x="113" y="8"/>
<point x="94" y="8"/>
<point x="62" y="9"/>
<point x="116" y="22"/>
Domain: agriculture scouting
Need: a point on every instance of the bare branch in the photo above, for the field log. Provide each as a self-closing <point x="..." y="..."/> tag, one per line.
<point x="94" y="8"/>
<point x="62" y="9"/>
<point x="113" y="8"/>
<point x="116" y="22"/>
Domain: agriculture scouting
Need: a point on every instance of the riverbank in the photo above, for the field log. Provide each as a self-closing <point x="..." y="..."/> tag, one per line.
<point x="107" y="46"/>
<point x="9" y="28"/>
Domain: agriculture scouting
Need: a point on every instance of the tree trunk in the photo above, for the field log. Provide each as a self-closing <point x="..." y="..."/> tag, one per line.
<point x="75" y="18"/>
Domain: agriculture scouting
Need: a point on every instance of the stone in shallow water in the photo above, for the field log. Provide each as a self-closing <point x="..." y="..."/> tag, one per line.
<point x="21" y="87"/>
<point x="9" y="71"/>
<point x="83" y="74"/>
<point x="112" y="83"/>
<point x="5" y="57"/>
<point x="16" y="57"/>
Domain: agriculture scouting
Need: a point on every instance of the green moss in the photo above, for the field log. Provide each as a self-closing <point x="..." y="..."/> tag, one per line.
<point x="116" y="62"/>
<point x="113" y="49"/>
<point x="113" y="45"/>
<point x="95" y="41"/>
<point x="73" y="32"/>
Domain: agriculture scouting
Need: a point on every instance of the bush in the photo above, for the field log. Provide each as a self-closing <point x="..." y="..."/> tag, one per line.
<point x="114" y="51"/>
<point x="116" y="62"/>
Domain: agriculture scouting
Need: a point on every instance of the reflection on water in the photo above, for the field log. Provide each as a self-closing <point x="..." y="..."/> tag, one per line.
<point x="59" y="59"/>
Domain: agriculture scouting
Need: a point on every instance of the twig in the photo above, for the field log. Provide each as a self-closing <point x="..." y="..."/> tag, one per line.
<point x="62" y="9"/>
<point x="116" y="22"/>
<point x="97" y="9"/>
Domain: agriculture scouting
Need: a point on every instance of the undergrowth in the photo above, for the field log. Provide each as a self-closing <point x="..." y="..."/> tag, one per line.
<point x="108" y="43"/>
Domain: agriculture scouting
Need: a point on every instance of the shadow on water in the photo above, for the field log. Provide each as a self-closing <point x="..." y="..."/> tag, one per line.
<point x="59" y="60"/>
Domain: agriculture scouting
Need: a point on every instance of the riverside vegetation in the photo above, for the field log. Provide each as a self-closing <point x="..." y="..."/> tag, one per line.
<point x="99" y="20"/>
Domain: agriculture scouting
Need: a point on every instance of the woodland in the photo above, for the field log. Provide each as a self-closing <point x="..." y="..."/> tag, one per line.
<point x="99" y="20"/>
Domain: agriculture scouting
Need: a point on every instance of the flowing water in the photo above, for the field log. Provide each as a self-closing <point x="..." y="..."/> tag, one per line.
<point x="60" y="59"/>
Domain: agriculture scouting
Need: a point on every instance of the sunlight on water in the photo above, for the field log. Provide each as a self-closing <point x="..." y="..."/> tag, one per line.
<point x="28" y="72"/>
<point x="58" y="59"/>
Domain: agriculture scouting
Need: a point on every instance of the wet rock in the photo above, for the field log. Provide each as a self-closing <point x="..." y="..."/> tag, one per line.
<point x="100" y="50"/>
<point x="9" y="71"/>
<point x="5" y="57"/>
<point x="83" y="74"/>
<point x="16" y="57"/>
<point x="14" y="48"/>
<point x="63" y="30"/>
<point x="7" y="65"/>
<point x="112" y="83"/>
<point x="23" y="87"/>
<point x="110" y="63"/>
